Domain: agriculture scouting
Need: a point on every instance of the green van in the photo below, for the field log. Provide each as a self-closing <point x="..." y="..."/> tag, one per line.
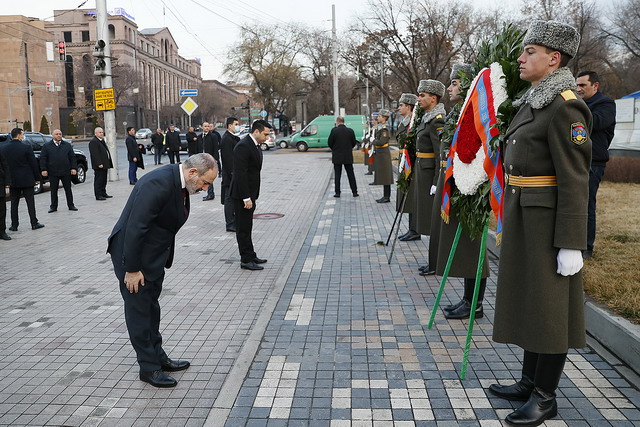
<point x="316" y="133"/>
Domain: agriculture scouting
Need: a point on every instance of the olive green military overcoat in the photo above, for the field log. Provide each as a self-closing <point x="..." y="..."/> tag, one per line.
<point x="382" y="168"/>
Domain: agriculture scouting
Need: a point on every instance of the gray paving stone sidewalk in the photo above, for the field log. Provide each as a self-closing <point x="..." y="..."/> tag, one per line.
<point x="347" y="344"/>
<point x="65" y="357"/>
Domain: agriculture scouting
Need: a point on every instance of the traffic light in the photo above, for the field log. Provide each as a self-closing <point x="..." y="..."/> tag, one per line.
<point x="61" y="51"/>
<point x="51" y="86"/>
<point x="101" y="64"/>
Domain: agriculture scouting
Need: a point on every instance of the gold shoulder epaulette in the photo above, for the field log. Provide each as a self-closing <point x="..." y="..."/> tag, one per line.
<point x="439" y="116"/>
<point x="568" y="95"/>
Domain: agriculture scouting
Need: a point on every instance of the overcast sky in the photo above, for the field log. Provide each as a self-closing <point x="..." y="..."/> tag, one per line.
<point x="215" y="23"/>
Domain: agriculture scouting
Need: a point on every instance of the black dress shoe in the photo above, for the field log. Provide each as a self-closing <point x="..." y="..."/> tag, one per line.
<point x="410" y="236"/>
<point x="423" y="268"/>
<point x="336" y="195"/>
<point x="356" y="195"/>
<point x="520" y="391"/>
<point x="4" y="236"/>
<point x="453" y="306"/>
<point x="73" y="208"/>
<point x="231" y="229"/>
<point x="371" y="183"/>
<point x="51" y="210"/>
<point x="12" y="228"/>
<point x="403" y="235"/>
<point x="540" y="407"/>
<point x="208" y="198"/>
<point x="251" y="266"/>
<point x="158" y="379"/>
<point x="383" y="200"/>
<point x="169" y="365"/>
<point x="259" y="260"/>
<point x="369" y="173"/>
<point x="106" y="196"/>
<point x="464" y="311"/>
<point x="101" y="198"/>
<point x="37" y="225"/>
<point x="427" y="272"/>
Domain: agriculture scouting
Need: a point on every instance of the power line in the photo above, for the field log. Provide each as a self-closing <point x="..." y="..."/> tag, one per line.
<point x="67" y="11"/>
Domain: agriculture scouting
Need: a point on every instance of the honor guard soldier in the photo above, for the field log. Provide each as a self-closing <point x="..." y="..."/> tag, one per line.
<point x="382" y="167"/>
<point x="405" y="107"/>
<point x="547" y="152"/>
<point x="427" y="151"/>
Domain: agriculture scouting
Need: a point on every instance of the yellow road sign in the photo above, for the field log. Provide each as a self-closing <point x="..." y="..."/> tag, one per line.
<point x="107" y="93"/>
<point x="105" y="99"/>
<point x="105" y="104"/>
<point x="189" y="106"/>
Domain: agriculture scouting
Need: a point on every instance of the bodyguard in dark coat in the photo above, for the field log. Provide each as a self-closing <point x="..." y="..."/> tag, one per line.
<point x="58" y="162"/>
<point x="382" y="167"/>
<point x="427" y="150"/>
<point x="172" y="141"/>
<point x="24" y="175"/>
<point x="228" y="143"/>
<point x="157" y="139"/>
<point x="142" y="245"/>
<point x="192" y="141"/>
<point x="5" y="179"/>
<point x="405" y="107"/>
<point x="342" y="140"/>
<point x="100" y="162"/>
<point x="133" y="155"/>
<point x="211" y="145"/>
<point x="547" y="153"/>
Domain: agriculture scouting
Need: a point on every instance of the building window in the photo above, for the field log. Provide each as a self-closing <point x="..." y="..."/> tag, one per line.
<point x="112" y="32"/>
<point x="85" y="36"/>
<point x="67" y="36"/>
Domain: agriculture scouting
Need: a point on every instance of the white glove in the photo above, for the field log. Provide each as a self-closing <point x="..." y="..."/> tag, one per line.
<point x="569" y="261"/>
<point x="371" y="139"/>
<point x="433" y="190"/>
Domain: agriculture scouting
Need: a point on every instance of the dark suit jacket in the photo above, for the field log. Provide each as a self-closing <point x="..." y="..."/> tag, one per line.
<point x="58" y="160"/>
<point x="132" y="148"/>
<point x="603" y="110"/>
<point x="227" y="144"/>
<point x="211" y="144"/>
<point x="157" y="139"/>
<point x="5" y="176"/>
<point x="99" y="153"/>
<point x="143" y="239"/>
<point x="24" y="166"/>
<point x="172" y="140"/>
<point x="192" y="142"/>
<point x="247" y="163"/>
<point x="341" y="141"/>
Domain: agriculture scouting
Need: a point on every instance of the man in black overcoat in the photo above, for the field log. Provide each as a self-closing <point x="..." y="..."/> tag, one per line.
<point x="211" y="145"/>
<point x="101" y="163"/>
<point x="192" y="141"/>
<point x="5" y="178"/>
<point x="58" y="162"/>
<point x="142" y="245"/>
<point x="133" y="154"/>
<point x="342" y="140"/>
<point x="245" y="189"/>
<point x="229" y="141"/>
<point x="157" y="139"/>
<point x="172" y="141"/>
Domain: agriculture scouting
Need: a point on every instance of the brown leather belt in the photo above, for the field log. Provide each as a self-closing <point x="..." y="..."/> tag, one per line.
<point x="530" y="181"/>
<point x="426" y="155"/>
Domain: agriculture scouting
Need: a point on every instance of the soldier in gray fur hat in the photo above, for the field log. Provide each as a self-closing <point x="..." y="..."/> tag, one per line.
<point x="547" y="153"/>
<point x="406" y="104"/>
<point x="382" y="167"/>
<point x="458" y="70"/>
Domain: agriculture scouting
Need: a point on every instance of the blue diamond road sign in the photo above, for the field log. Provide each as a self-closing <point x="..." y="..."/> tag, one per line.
<point x="188" y="92"/>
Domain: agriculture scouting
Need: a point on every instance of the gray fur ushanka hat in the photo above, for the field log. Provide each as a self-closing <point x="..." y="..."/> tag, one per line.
<point x="384" y="112"/>
<point x="554" y="35"/>
<point x="408" y="98"/>
<point x="455" y="71"/>
<point x="433" y="87"/>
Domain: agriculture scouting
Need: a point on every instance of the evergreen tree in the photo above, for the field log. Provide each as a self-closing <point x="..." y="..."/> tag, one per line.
<point x="27" y="126"/>
<point x="44" y="126"/>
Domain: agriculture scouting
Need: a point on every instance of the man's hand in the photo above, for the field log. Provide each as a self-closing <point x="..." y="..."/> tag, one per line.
<point x="569" y="262"/>
<point x="100" y="166"/>
<point x="132" y="280"/>
<point x="74" y="172"/>
<point x="248" y="204"/>
<point x="44" y="173"/>
<point x="135" y="159"/>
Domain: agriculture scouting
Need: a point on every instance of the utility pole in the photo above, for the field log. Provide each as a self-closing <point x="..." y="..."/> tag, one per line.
<point x="29" y="88"/>
<point x="381" y="81"/>
<point x="336" y="100"/>
<point x="109" y="115"/>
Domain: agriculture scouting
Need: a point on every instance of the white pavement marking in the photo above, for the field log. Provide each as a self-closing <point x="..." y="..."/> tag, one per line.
<point x="314" y="263"/>
<point x="328" y="211"/>
<point x="320" y="240"/>
<point x="278" y="387"/>
<point x="300" y="309"/>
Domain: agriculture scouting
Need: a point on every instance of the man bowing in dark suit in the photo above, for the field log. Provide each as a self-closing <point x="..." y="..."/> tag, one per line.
<point x="142" y="244"/>
<point x="341" y="141"/>
<point x="245" y="189"/>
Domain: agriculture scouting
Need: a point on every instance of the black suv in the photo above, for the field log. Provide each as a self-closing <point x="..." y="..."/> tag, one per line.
<point x="37" y="140"/>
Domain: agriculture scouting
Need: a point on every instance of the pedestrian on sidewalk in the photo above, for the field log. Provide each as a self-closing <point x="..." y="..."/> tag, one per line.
<point x="5" y="179"/>
<point x="58" y="162"/>
<point x="382" y="167"/>
<point x="142" y="245"/>
<point x="157" y="139"/>
<point x="172" y="139"/>
<point x="101" y="163"/>
<point x="228" y="143"/>
<point x="133" y="155"/>
<point x="547" y="153"/>
<point x="245" y="190"/>
<point x="342" y="140"/>
<point x="211" y="145"/>
<point x="192" y="141"/>
<point x="406" y="103"/>
<point x="25" y="173"/>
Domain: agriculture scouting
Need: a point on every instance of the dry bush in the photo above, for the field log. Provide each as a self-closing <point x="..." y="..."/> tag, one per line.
<point x="623" y="169"/>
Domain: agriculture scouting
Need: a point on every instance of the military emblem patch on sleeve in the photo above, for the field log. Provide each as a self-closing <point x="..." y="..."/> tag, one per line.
<point x="578" y="133"/>
<point x="439" y="130"/>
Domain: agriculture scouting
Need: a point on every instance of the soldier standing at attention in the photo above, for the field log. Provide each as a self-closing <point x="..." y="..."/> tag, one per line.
<point x="427" y="150"/>
<point x="382" y="168"/>
<point x="405" y="107"/>
<point x="547" y="153"/>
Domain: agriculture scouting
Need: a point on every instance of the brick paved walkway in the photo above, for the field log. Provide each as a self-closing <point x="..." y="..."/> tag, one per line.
<point x="345" y="343"/>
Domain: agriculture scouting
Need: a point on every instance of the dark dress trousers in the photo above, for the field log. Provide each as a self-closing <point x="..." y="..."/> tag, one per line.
<point x="100" y="155"/>
<point x="24" y="174"/>
<point x="172" y="140"/>
<point x="58" y="161"/>
<point x="342" y="140"/>
<point x="5" y="178"/>
<point x="227" y="144"/>
<point x="143" y="240"/>
<point x="247" y="164"/>
<point x="132" y="153"/>
<point x="211" y="145"/>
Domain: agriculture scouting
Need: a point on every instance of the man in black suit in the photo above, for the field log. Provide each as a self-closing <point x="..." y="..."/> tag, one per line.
<point x="245" y="189"/>
<point x="24" y="175"/>
<point x="157" y="139"/>
<point x="227" y="145"/>
<point x="192" y="141"/>
<point x="133" y="154"/>
<point x="58" y="162"/>
<point x="142" y="245"/>
<point x="211" y="145"/>
<point x="5" y="178"/>
<point x="172" y="141"/>
<point x="101" y="163"/>
<point x="341" y="141"/>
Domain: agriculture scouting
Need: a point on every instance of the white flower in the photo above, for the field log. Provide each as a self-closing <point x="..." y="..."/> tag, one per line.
<point x="469" y="176"/>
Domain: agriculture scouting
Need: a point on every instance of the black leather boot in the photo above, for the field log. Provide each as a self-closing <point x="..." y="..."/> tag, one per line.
<point x="464" y="311"/>
<point x="454" y="306"/>
<point x="520" y="391"/>
<point x="540" y="407"/>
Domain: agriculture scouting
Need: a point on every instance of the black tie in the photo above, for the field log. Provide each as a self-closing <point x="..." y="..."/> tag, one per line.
<point x="185" y="198"/>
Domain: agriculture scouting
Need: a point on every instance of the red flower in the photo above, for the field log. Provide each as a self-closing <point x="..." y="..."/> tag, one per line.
<point x="468" y="141"/>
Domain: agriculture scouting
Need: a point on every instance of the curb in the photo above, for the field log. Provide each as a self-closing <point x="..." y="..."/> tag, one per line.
<point x="612" y="337"/>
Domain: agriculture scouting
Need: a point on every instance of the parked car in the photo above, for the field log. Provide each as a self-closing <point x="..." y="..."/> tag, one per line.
<point x="183" y="144"/>
<point x="285" y="141"/>
<point x="316" y="133"/>
<point x="267" y="145"/>
<point x="37" y="140"/>
<point x="143" y="133"/>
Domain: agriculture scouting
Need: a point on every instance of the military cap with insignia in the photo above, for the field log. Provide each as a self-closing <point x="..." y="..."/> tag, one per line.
<point x="408" y="98"/>
<point x="554" y="35"/>
<point x="455" y="71"/>
<point x="433" y="87"/>
<point x="384" y="112"/>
